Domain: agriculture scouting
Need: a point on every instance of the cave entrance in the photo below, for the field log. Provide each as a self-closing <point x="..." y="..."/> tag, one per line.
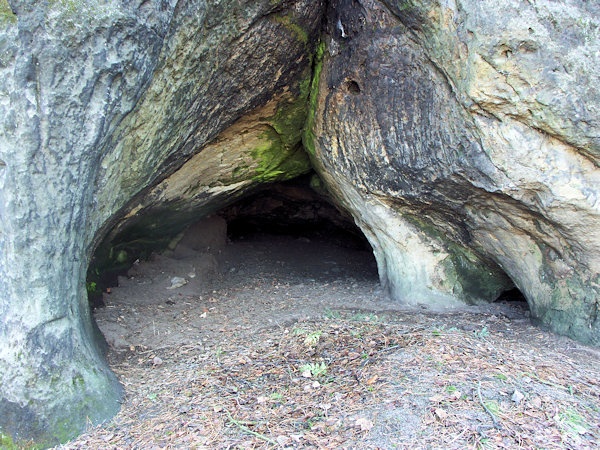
<point x="280" y="254"/>
<point x="514" y="303"/>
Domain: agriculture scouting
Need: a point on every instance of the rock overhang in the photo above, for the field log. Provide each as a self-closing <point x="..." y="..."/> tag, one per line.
<point x="424" y="122"/>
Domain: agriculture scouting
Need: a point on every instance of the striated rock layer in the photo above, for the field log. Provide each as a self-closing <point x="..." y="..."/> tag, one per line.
<point x="464" y="138"/>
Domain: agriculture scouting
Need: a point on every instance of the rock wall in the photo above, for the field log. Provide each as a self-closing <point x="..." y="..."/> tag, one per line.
<point x="100" y="101"/>
<point x="463" y="137"/>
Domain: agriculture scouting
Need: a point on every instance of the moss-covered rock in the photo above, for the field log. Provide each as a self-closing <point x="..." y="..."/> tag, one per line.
<point x="464" y="141"/>
<point x="101" y="104"/>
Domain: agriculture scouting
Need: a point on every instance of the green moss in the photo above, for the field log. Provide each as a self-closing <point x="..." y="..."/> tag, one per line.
<point x="467" y="273"/>
<point x="6" y="14"/>
<point x="71" y="6"/>
<point x="277" y="160"/>
<point x="318" y="186"/>
<point x="6" y="442"/>
<point x="280" y="156"/>
<point x="296" y="30"/>
<point x="308" y="137"/>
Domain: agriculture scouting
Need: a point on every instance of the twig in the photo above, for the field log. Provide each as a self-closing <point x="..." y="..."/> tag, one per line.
<point x="497" y="424"/>
<point x="248" y="430"/>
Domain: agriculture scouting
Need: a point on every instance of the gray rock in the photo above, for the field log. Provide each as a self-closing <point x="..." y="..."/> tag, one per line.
<point x="463" y="137"/>
<point x="99" y="103"/>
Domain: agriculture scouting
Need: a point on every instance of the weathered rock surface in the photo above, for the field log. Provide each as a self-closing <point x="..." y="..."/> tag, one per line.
<point x="99" y="102"/>
<point x="463" y="137"/>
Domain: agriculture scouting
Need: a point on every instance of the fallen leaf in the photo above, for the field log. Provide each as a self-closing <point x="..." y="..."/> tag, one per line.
<point x="437" y="398"/>
<point x="296" y="437"/>
<point x="456" y="395"/>
<point x="372" y="380"/>
<point x="517" y="397"/>
<point x="442" y="414"/>
<point x="536" y="402"/>
<point x="282" y="440"/>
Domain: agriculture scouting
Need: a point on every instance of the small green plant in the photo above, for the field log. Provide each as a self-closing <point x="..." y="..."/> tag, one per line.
<point x="571" y="422"/>
<point x="298" y="331"/>
<point x="450" y="389"/>
<point x="91" y="287"/>
<point x="152" y="397"/>
<point x="365" y="317"/>
<point x="329" y="314"/>
<point x="276" y="396"/>
<point x="315" y="369"/>
<point x="482" y="333"/>
<point x="312" y="338"/>
<point x="218" y="354"/>
<point x="500" y="376"/>
<point x="6" y="441"/>
<point x="493" y="406"/>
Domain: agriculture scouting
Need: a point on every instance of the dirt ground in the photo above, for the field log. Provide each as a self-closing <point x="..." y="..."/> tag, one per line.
<point x="275" y="341"/>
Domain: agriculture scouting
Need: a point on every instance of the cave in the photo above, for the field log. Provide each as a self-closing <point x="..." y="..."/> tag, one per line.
<point x="129" y="128"/>
<point x="283" y="236"/>
<point x="298" y="209"/>
<point x="283" y="251"/>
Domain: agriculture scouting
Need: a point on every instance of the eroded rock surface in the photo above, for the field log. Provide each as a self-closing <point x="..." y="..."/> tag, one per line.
<point x="463" y="136"/>
<point x="99" y="102"/>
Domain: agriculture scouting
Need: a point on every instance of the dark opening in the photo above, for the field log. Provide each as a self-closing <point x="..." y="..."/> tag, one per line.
<point x="514" y="299"/>
<point x="299" y="209"/>
<point x="274" y="216"/>
<point x="353" y="87"/>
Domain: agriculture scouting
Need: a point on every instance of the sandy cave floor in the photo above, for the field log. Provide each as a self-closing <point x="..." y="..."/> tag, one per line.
<point x="290" y="342"/>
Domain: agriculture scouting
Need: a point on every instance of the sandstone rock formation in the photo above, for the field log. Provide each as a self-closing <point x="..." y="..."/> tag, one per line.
<point x="101" y="101"/>
<point x="462" y="135"/>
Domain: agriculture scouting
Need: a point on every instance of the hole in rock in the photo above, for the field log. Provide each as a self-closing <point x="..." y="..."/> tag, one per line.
<point x="353" y="87"/>
<point x="279" y="255"/>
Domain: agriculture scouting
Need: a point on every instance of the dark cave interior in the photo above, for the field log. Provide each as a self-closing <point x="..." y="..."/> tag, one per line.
<point x="299" y="208"/>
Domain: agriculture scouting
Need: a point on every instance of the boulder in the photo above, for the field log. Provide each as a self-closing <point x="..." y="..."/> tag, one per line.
<point x="463" y="137"/>
<point x="100" y="102"/>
